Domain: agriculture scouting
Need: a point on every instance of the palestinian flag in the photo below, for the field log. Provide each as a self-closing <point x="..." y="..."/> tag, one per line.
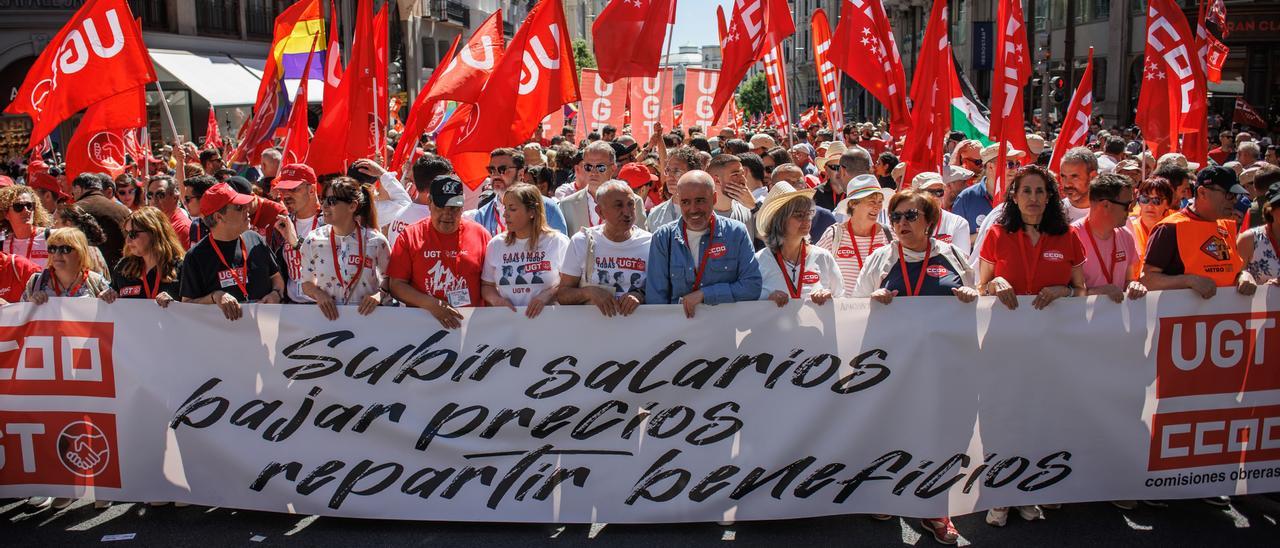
<point x="967" y="113"/>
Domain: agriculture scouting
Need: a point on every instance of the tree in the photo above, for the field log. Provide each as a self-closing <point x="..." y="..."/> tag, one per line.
<point x="582" y="55"/>
<point x="753" y="96"/>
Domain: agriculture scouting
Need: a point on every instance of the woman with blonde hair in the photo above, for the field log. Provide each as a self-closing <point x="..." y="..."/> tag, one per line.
<point x="25" y="223"/>
<point x="73" y="216"/>
<point x="522" y="265"/>
<point x="152" y="262"/>
<point x="69" y="272"/>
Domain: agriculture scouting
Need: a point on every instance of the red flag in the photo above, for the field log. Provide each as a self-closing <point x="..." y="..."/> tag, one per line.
<point x="602" y="103"/>
<point x="930" y="97"/>
<point x="333" y="62"/>
<point x="99" y="143"/>
<point x="828" y="78"/>
<point x="464" y="76"/>
<point x="536" y="76"/>
<point x="380" y="103"/>
<point x="1012" y="68"/>
<point x="755" y="26"/>
<point x="699" y="92"/>
<point x="98" y="54"/>
<point x="419" y="115"/>
<point x="1174" y="93"/>
<point x="1247" y="115"/>
<point x="298" y="140"/>
<point x="629" y="35"/>
<point x="1075" y="128"/>
<point x="347" y="132"/>
<point x="211" y="137"/>
<point x="722" y="25"/>
<point x="863" y="35"/>
<point x="650" y="104"/>
<point x="809" y="117"/>
<point x="775" y="75"/>
<point x="677" y="115"/>
<point x="469" y="166"/>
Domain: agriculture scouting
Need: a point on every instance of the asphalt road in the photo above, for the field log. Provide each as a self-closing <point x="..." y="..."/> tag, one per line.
<point x="1250" y="521"/>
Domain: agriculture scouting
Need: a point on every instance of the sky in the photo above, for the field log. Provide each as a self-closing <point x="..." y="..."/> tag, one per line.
<point x="696" y="22"/>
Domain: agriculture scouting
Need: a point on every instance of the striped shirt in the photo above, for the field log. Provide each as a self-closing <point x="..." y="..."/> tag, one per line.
<point x="852" y="252"/>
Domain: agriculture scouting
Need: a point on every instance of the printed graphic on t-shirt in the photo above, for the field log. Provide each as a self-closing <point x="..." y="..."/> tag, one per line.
<point x="227" y="278"/>
<point x="440" y="278"/>
<point x="623" y="274"/>
<point x="524" y="268"/>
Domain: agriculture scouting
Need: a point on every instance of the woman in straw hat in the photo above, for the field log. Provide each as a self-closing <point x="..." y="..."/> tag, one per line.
<point x="791" y="267"/>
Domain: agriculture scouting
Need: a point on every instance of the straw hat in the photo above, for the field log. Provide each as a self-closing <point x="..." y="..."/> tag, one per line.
<point x="779" y="195"/>
<point x="1177" y="159"/>
<point x="834" y="150"/>
<point x="990" y="152"/>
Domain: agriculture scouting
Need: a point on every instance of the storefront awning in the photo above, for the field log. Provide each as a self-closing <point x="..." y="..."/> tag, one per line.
<point x="222" y="80"/>
<point x="219" y="79"/>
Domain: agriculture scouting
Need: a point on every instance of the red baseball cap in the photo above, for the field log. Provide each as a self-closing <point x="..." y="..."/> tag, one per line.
<point x="43" y="181"/>
<point x="5" y="181"/>
<point x="636" y="175"/>
<point x="294" y="175"/>
<point x="221" y="195"/>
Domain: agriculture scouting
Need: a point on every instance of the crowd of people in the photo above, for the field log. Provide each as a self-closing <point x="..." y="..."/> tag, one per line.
<point x="686" y="218"/>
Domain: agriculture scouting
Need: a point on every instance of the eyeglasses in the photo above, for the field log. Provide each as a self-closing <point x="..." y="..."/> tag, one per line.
<point x="975" y="162"/>
<point x="334" y="200"/>
<point x="833" y="167"/>
<point x="911" y="215"/>
<point x="1012" y="165"/>
<point x="133" y="234"/>
<point x="19" y="207"/>
<point x="61" y="250"/>
<point x="1150" y="200"/>
<point x="598" y="168"/>
<point x="157" y="195"/>
<point x="804" y="215"/>
<point x="1125" y="205"/>
<point x="497" y="169"/>
<point x="937" y="192"/>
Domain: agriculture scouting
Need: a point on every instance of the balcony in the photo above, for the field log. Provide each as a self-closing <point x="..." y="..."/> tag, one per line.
<point x="448" y="10"/>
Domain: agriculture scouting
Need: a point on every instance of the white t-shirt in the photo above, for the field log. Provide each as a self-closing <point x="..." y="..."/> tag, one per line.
<point x="33" y="248"/>
<point x="953" y="229"/>
<point x="397" y="197"/>
<point x="408" y="216"/>
<point x="694" y="243"/>
<point x="293" y="259"/>
<point x="820" y="272"/>
<point x="620" y="265"/>
<point x="519" y="273"/>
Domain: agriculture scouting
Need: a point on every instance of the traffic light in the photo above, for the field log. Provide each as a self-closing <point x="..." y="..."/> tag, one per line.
<point x="1057" y="89"/>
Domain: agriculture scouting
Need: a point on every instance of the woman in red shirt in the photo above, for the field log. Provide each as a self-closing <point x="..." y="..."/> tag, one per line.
<point x="1032" y="249"/>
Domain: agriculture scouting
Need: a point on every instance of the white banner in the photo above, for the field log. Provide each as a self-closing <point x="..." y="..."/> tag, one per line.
<point x="925" y="407"/>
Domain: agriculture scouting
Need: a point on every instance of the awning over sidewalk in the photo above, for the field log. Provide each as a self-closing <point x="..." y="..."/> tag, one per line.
<point x="223" y="80"/>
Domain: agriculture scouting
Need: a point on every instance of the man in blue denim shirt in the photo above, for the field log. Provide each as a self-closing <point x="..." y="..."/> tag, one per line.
<point x="720" y="266"/>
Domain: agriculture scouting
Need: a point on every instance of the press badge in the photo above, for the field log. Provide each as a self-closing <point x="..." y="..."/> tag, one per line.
<point x="458" y="298"/>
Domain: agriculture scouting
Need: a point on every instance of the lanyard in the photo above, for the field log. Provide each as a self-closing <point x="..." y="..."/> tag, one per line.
<point x="1030" y="258"/>
<point x="502" y="225"/>
<point x="337" y="266"/>
<point x="924" y="269"/>
<point x="1109" y="273"/>
<point x="57" y="287"/>
<point x="235" y="274"/>
<point x="702" y="265"/>
<point x="149" y="291"/>
<point x="31" y="243"/>
<point x="856" y="252"/>
<point x="797" y="288"/>
<point x="835" y="200"/>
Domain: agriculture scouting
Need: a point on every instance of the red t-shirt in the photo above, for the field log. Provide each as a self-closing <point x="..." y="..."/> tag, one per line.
<point x="873" y="145"/>
<point x="15" y="271"/>
<point x="182" y="225"/>
<point x="1016" y="261"/>
<point x="437" y="264"/>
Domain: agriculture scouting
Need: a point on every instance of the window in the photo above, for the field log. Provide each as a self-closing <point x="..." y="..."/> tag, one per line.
<point x="154" y="13"/>
<point x="218" y="17"/>
<point x="260" y="16"/>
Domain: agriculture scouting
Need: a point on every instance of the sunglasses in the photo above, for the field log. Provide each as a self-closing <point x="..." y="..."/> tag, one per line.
<point x="19" y="207"/>
<point x="133" y="234"/>
<point x="497" y="169"/>
<point x="936" y="192"/>
<point x="598" y="168"/>
<point x="156" y="195"/>
<point x="1150" y="200"/>
<point x="975" y="162"/>
<point x="833" y="167"/>
<point x="334" y="200"/>
<point x="61" y="250"/>
<point x="1125" y="205"/>
<point x="911" y="215"/>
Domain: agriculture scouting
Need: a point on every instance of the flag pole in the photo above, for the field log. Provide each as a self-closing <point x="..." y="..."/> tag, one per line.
<point x="164" y="102"/>
<point x="662" y="88"/>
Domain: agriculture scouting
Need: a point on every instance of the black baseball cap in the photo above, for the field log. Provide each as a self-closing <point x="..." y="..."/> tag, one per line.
<point x="446" y="191"/>
<point x="240" y="184"/>
<point x="1272" y="195"/>
<point x="620" y="150"/>
<point x="1221" y="177"/>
